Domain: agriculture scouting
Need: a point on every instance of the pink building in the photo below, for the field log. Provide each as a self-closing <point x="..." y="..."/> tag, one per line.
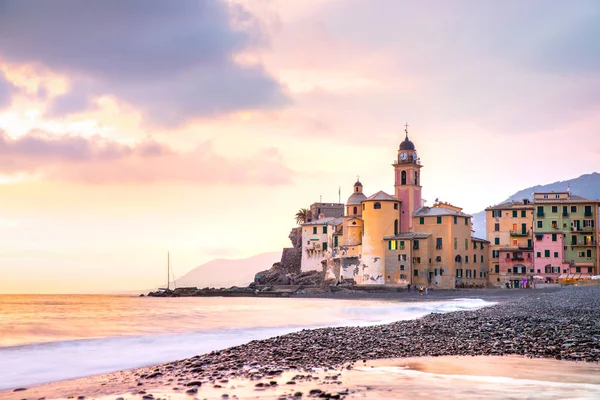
<point x="516" y="267"/>
<point x="549" y="256"/>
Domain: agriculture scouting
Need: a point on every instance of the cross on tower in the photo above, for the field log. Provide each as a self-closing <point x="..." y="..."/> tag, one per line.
<point x="357" y="178"/>
<point x="406" y="127"/>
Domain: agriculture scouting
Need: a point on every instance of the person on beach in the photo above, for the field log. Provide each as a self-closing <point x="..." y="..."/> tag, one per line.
<point x="421" y="290"/>
<point x="408" y="287"/>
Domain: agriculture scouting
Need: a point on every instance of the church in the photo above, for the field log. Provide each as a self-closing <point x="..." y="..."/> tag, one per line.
<point x="396" y="240"/>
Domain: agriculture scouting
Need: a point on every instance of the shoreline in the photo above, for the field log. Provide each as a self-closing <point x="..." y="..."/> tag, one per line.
<point x="560" y="324"/>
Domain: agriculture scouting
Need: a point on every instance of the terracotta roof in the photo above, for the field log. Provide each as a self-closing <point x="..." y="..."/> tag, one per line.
<point x="408" y="236"/>
<point x="438" y="211"/>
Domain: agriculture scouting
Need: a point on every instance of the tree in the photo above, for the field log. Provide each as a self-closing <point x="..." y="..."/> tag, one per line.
<point x="301" y="216"/>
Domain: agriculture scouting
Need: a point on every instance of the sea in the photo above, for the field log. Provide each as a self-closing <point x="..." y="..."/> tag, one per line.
<point x="47" y="338"/>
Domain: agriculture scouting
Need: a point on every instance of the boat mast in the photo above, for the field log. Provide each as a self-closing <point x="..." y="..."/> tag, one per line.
<point x="168" y="269"/>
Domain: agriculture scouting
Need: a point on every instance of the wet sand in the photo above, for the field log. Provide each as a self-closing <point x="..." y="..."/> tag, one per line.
<point x="450" y="377"/>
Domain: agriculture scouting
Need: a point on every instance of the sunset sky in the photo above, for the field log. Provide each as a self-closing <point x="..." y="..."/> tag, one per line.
<point x="133" y="128"/>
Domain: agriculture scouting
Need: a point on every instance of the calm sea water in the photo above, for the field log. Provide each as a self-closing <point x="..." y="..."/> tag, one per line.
<point x="48" y="338"/>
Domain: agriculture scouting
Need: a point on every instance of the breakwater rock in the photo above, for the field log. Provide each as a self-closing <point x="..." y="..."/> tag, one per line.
<point x="563" y="325"/>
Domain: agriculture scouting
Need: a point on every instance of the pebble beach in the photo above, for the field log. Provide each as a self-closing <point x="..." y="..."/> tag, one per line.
<point x="560" y="326"/>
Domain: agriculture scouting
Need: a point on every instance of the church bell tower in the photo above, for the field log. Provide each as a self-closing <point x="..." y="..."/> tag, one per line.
<point x="407" y="172"/>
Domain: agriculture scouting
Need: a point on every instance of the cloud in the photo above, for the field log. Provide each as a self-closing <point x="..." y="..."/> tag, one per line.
<point x="98" y="160"/>
<point x="6" y="90"/>
<point x="172" y="60"/>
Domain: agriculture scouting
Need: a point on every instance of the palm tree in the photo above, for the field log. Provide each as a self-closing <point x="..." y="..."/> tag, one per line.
<point x="301" y="216"/>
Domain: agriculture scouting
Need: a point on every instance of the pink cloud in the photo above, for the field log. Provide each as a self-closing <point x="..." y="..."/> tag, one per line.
<point x="98" y="160"/>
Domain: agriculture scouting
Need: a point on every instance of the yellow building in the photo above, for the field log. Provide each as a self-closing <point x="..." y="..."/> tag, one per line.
<point x="509" y="231"/>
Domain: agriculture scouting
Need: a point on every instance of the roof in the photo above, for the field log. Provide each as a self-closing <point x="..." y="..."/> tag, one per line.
<point x="476" y="239"/>
<point x="509" y="205"/>
<point x="407" y="144"/>
<point x="358" y="184"/>
<point x="381" y="196"/>
<point x="355" y="199"/>
<point x="438" y="211"/>
<point x="408" y="236"/>
<point x="325" y="221"/>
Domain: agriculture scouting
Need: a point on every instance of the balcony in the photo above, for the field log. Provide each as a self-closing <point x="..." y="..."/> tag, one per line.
<point x="588" y="214"/>
<point x="517" y="257"/>
<point x="438" y="247"/>
<point x="584" y="243"/>
<point x="540" y="214"/>
<point x="519" y="233"/>
<point x="586" y="229"/>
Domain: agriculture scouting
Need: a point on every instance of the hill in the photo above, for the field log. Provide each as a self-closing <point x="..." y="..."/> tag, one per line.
<point x="587" y="185"/>
<point x="227" y="273"/>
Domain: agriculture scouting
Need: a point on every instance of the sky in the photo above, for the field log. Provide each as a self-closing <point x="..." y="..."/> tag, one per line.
<point x="132" y="128"/>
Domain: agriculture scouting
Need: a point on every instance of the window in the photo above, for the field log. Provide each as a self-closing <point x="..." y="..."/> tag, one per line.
<point x="324" y="246"/>
<point x="403" y="178"/>
<point x="497" y="241"/>
<point x="395" y="206"/>
<point x="466" y="221"/>
<point x="466" y="244"/>
<point x="573" y="209"/>
<point x="355" y="210"/>
<point x="402" y="245"/>
<point x="459" y="272"/>
<point x="540" y="224"/>
<point x="509" y="270"/>
<point x="377" y="206"/>
<point x="395" y="226"/>
<point x="590" y="270"/>
<point x="438" y="243"/>
<point x="540" y="211"/>
<point x="438" y="258"/>
<point x="496" y="213"/>
<point x="363" y="206"/>
<point x="554" y="237"/>
<point x="578" y="269"/>
<point x="402" y="276"/>
<point x="523" y="213"/>
<point x="556" y="254"/>
<point x="538" y="254"/>
<point x="507" y="255"/>
<point x="435" y="272"/>
<point x="482" y="258"/>
<point x="393" y="245"/>
<point x="495" y="254"/>
<point x="455" y="243"/>
<point x="402" y="267"/>
<point x="325" y="229"/>
<point x="496" y="227"/>
<point x="554" y="209"/>
<point x="466" y="259"/>
<point x="546" y="253"/>
<point x="439" y="220"/>
<point x="314" y="230"/>
<point x="589" y="253"/>
<point x="422" y="221"/>
<point x="468" y="273"/>
<point x="515" y="242"/>
<point x="416" y="272"/>
<point x="514" y="214"/>
<point x="455" y="220"/>
<point x="588" y="211"/>
<point x="497" y="268"/>
<point x="416" y="245"/>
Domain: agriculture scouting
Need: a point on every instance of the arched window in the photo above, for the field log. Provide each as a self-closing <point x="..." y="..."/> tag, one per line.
<point x="355" y="210"/>
<point x="356" y="189"/>
<point x="377" y="206"/>
<point x="458" y="258"/>
<point x="417" y="178"/>
<point x="403" y="178"/>
<point x="395" y="227"/>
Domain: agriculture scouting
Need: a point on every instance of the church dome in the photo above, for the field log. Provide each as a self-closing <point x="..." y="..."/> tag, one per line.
<point x="358" y="184"/>
<point x="355" y="199"/>
<point x="407" y="144"/>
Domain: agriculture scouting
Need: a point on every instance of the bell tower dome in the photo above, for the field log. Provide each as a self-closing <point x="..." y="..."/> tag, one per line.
<point x="407" y="181"/>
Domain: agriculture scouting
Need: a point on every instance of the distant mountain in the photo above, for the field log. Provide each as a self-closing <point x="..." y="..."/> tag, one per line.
<point x="587" y="185"/>
<point x="227" y="273"/>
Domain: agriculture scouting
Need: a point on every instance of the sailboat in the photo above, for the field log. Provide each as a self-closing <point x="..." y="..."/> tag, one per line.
<point x="168" y="275"/>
